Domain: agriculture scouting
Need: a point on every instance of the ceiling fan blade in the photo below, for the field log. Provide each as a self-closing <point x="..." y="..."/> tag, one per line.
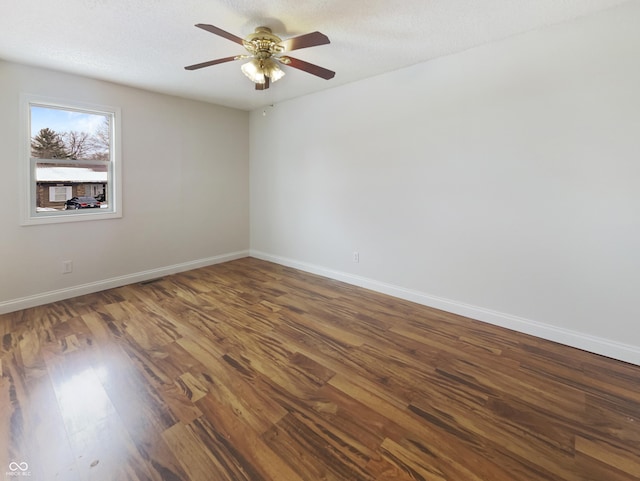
<point x="263" y="86"/>
<point x="220" y="32"/>
<point x="303" y="41"/>
<point x="213" y="62"/>
<point x="307" y="67"/>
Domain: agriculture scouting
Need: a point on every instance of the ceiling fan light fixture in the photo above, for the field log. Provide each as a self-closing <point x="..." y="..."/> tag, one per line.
<point x="254" y="71"/>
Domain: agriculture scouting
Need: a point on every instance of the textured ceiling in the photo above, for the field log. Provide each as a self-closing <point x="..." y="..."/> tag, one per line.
<point x="146" y="43"/>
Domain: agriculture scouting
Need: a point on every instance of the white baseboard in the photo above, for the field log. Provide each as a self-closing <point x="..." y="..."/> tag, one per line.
<point x="66" y="293"/>
<point x="586" y="342"/>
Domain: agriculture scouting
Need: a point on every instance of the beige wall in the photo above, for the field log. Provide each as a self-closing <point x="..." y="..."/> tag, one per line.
<point x="502" y="183"/>
<point x="185" y="192"/>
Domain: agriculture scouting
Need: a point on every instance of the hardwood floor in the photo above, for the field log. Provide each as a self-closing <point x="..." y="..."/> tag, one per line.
<point x="253" y="371"/>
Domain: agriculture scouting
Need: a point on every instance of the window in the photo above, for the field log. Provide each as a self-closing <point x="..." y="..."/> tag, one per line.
<point x="71" y="164"/>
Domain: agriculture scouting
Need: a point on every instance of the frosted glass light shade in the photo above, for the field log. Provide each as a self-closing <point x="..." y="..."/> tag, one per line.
<point x="254" y="71"/>
<point x="271" y="70"/>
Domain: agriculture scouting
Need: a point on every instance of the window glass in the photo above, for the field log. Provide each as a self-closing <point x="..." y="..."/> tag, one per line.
<point x="72" y="163"/>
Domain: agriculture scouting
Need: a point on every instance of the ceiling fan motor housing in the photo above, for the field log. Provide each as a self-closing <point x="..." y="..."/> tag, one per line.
<point x="263" y="43"/>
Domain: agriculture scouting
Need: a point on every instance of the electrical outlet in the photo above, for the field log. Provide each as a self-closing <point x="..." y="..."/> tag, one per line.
<point x="67" y="267"/>
<point x="356" y="256"/>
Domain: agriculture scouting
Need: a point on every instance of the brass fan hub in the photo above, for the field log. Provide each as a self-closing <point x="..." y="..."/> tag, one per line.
<point x="263" y="43"/>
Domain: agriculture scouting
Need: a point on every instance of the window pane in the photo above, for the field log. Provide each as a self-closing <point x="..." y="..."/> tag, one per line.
<point x="56" y="183"/>
<point x="58" y="133"/>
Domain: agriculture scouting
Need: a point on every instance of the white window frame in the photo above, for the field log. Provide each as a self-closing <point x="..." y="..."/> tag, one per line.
<point x="28" y="212"/>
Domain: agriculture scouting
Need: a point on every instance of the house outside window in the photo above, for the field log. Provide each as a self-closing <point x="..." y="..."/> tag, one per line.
<point x="71" y="165"/>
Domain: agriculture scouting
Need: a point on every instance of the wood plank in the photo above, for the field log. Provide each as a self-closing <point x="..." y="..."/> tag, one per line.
<point x="249" y="443"/>
<point x="197" y="461"/>
<point x="620" y="457"/>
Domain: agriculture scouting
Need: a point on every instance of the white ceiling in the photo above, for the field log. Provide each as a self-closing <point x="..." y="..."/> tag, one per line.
<point x="146" y="43"/>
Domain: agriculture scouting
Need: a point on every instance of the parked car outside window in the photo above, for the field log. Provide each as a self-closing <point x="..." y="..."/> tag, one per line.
<point x="84" y="202"/>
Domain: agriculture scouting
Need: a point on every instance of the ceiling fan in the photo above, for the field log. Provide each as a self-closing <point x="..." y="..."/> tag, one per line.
<point x="265" y="51"/>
